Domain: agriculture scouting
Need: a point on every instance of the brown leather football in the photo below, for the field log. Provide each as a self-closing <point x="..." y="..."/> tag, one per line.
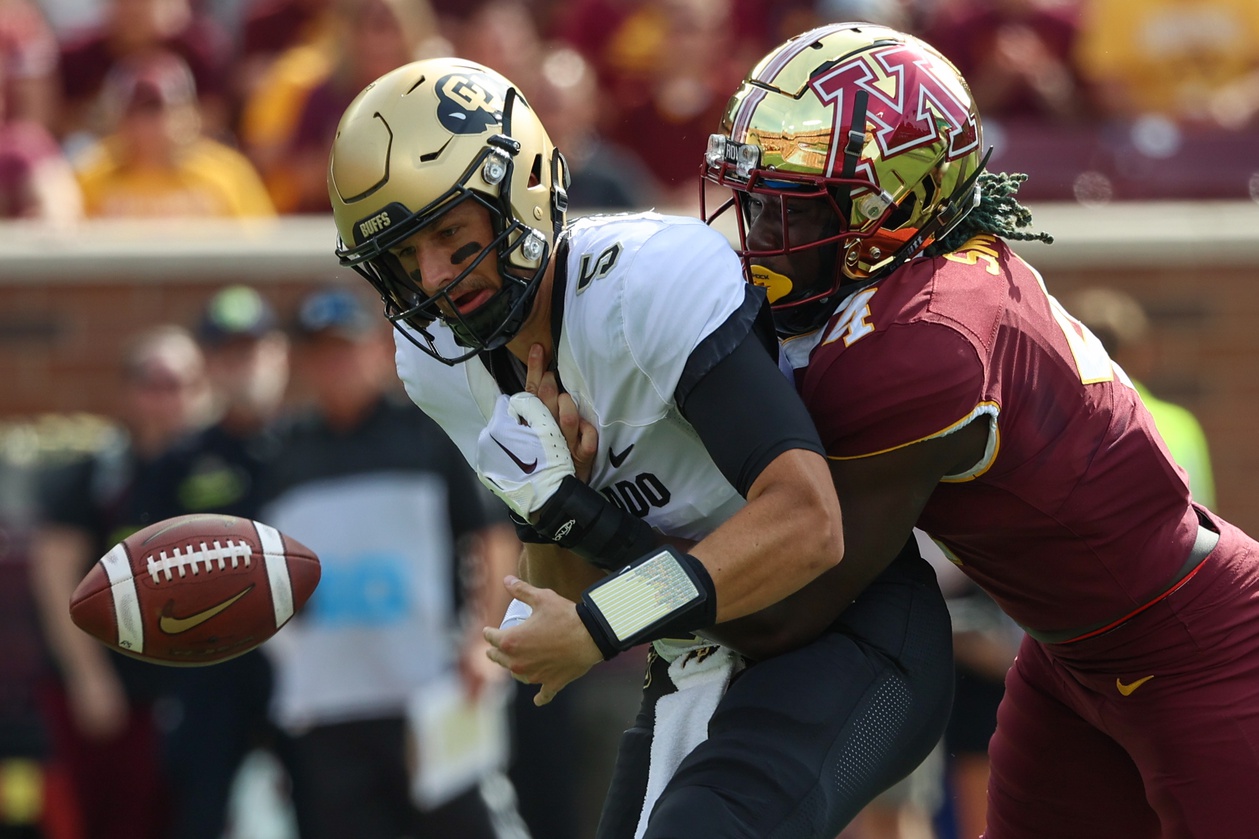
<point x="195" y="590"/>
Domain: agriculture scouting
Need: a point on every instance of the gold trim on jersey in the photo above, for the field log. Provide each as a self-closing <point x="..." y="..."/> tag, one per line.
<point x="991" y="409"/>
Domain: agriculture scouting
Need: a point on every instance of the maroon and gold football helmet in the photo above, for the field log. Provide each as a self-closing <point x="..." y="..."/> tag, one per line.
<point x="875" y="122"/>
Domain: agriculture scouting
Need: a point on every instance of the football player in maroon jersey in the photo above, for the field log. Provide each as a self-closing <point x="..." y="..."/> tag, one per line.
<point x="952" y="392"/>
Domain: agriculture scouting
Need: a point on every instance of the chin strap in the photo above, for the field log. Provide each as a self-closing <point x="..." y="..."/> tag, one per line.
<point x="852" y="151"/>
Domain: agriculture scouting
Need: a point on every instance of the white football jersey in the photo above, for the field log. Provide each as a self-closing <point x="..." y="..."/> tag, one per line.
<point x="640" y="292"/>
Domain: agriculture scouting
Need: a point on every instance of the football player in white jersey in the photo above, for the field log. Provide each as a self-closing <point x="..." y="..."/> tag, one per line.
<point x="614" y="381"/>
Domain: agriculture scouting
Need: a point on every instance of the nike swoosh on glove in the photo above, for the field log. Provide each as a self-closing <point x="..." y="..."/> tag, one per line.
<point x="522" y="455"/>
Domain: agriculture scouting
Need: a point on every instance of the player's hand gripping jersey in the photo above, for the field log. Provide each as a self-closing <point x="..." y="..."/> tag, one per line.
<point x="627" y="337"/>
<point x="1097" y="508"/>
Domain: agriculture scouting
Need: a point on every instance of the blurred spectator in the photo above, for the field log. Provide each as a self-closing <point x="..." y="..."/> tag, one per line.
<point x="31" y="787"/>
<point x="1017" y="56"/>
<point x="678" y="63"/>
<point x="891" y="13"/>
<point x="28" y="63"/>
<point x="156" y="162"/>
<point x="133" y="29"/>
<point x="100" y="709"/>
<point x="269" y="29"/>
<point x="590" y="26"/>
<point x="217" y="715"/>
<point x="622" y="38"/>
<point x="403" y="530"/>
<point x="36" y="181"/>
<point x="788" y="19"/>
<point x="1121" y="324"/>
<point x="504" y="35"/>
<point x="1191" y="61"/>
<point x="290" y="121"/>
<point x="605" y="176"/>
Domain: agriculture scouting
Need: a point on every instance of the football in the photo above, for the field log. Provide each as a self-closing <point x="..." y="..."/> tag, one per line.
<point x="195" y="590"/>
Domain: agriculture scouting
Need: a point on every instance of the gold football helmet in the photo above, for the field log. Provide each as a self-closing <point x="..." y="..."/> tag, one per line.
<point x="875" y="122"/>
<point x="415" y="143"/>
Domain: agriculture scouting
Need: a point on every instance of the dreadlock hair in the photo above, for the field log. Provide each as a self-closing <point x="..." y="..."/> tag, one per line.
<point x="999" y="213"/>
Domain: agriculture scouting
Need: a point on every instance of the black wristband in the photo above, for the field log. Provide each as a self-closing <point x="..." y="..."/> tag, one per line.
<point x="525" y="531"/>
<point x="665" y="594"/>
<point x="579" y="518"/>
<point x="607" y="648"/>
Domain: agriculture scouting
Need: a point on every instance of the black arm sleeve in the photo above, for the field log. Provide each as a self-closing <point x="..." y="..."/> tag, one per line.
<point x="743" y="407"/>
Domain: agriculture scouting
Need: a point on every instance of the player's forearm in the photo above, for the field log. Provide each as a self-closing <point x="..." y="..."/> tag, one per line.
<point x="564" y="572"/>
<point x="495" y="552"/>
<point x="782" y="627"/>
<point x="787" y="535"/>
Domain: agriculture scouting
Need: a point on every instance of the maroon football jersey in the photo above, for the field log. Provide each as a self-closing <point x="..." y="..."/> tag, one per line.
<point x="1078" y="514"/>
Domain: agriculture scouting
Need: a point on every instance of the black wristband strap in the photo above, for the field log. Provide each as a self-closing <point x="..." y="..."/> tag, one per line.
<point x="579" y="518"/>
<point x="525" y="531"/>
<point x="602" y="639"/>
<point x="665" y="594"/>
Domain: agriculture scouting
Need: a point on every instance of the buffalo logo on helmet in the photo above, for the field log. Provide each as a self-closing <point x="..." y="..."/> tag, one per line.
<point x="469" y="103"/>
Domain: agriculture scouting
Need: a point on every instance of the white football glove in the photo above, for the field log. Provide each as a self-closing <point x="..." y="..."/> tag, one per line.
<point x="522" y="455"/>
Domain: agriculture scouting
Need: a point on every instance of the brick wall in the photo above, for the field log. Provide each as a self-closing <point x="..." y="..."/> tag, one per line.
<point x="60" y="352"/>
<point x="68" y="302"/>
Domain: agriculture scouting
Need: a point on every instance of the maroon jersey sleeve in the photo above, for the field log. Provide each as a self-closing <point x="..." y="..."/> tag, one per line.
<point x="908" y="376"/>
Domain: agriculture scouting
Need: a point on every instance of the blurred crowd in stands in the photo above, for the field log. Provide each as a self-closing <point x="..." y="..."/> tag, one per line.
<point x="195" y="108"/>
<point x="124" y="108"/>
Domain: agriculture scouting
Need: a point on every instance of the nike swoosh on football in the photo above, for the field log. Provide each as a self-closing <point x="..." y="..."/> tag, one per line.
<point x="172" y="625"/>
<point x="617" y="459"/>
<point x="527" y="468"/>
<point x="1127" y="690"/>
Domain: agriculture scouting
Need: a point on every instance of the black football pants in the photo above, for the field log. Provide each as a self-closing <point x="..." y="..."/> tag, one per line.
<point x="801" y="742"/>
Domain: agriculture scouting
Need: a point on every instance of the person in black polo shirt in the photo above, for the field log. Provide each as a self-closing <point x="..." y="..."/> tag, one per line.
<point x="218" y="714"/>
<point x="99" y="709"/>
<point x="411" y="556"/>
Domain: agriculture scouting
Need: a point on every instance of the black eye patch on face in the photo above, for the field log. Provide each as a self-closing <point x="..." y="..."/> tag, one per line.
<point x="465" y="252"/>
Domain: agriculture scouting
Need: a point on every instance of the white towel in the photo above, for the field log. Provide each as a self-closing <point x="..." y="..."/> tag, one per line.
<point x="517" y="612"/>
<point x="701" y="676"/>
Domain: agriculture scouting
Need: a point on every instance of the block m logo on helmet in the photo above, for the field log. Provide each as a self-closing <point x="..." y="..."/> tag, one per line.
<point x="908" y="103"/>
